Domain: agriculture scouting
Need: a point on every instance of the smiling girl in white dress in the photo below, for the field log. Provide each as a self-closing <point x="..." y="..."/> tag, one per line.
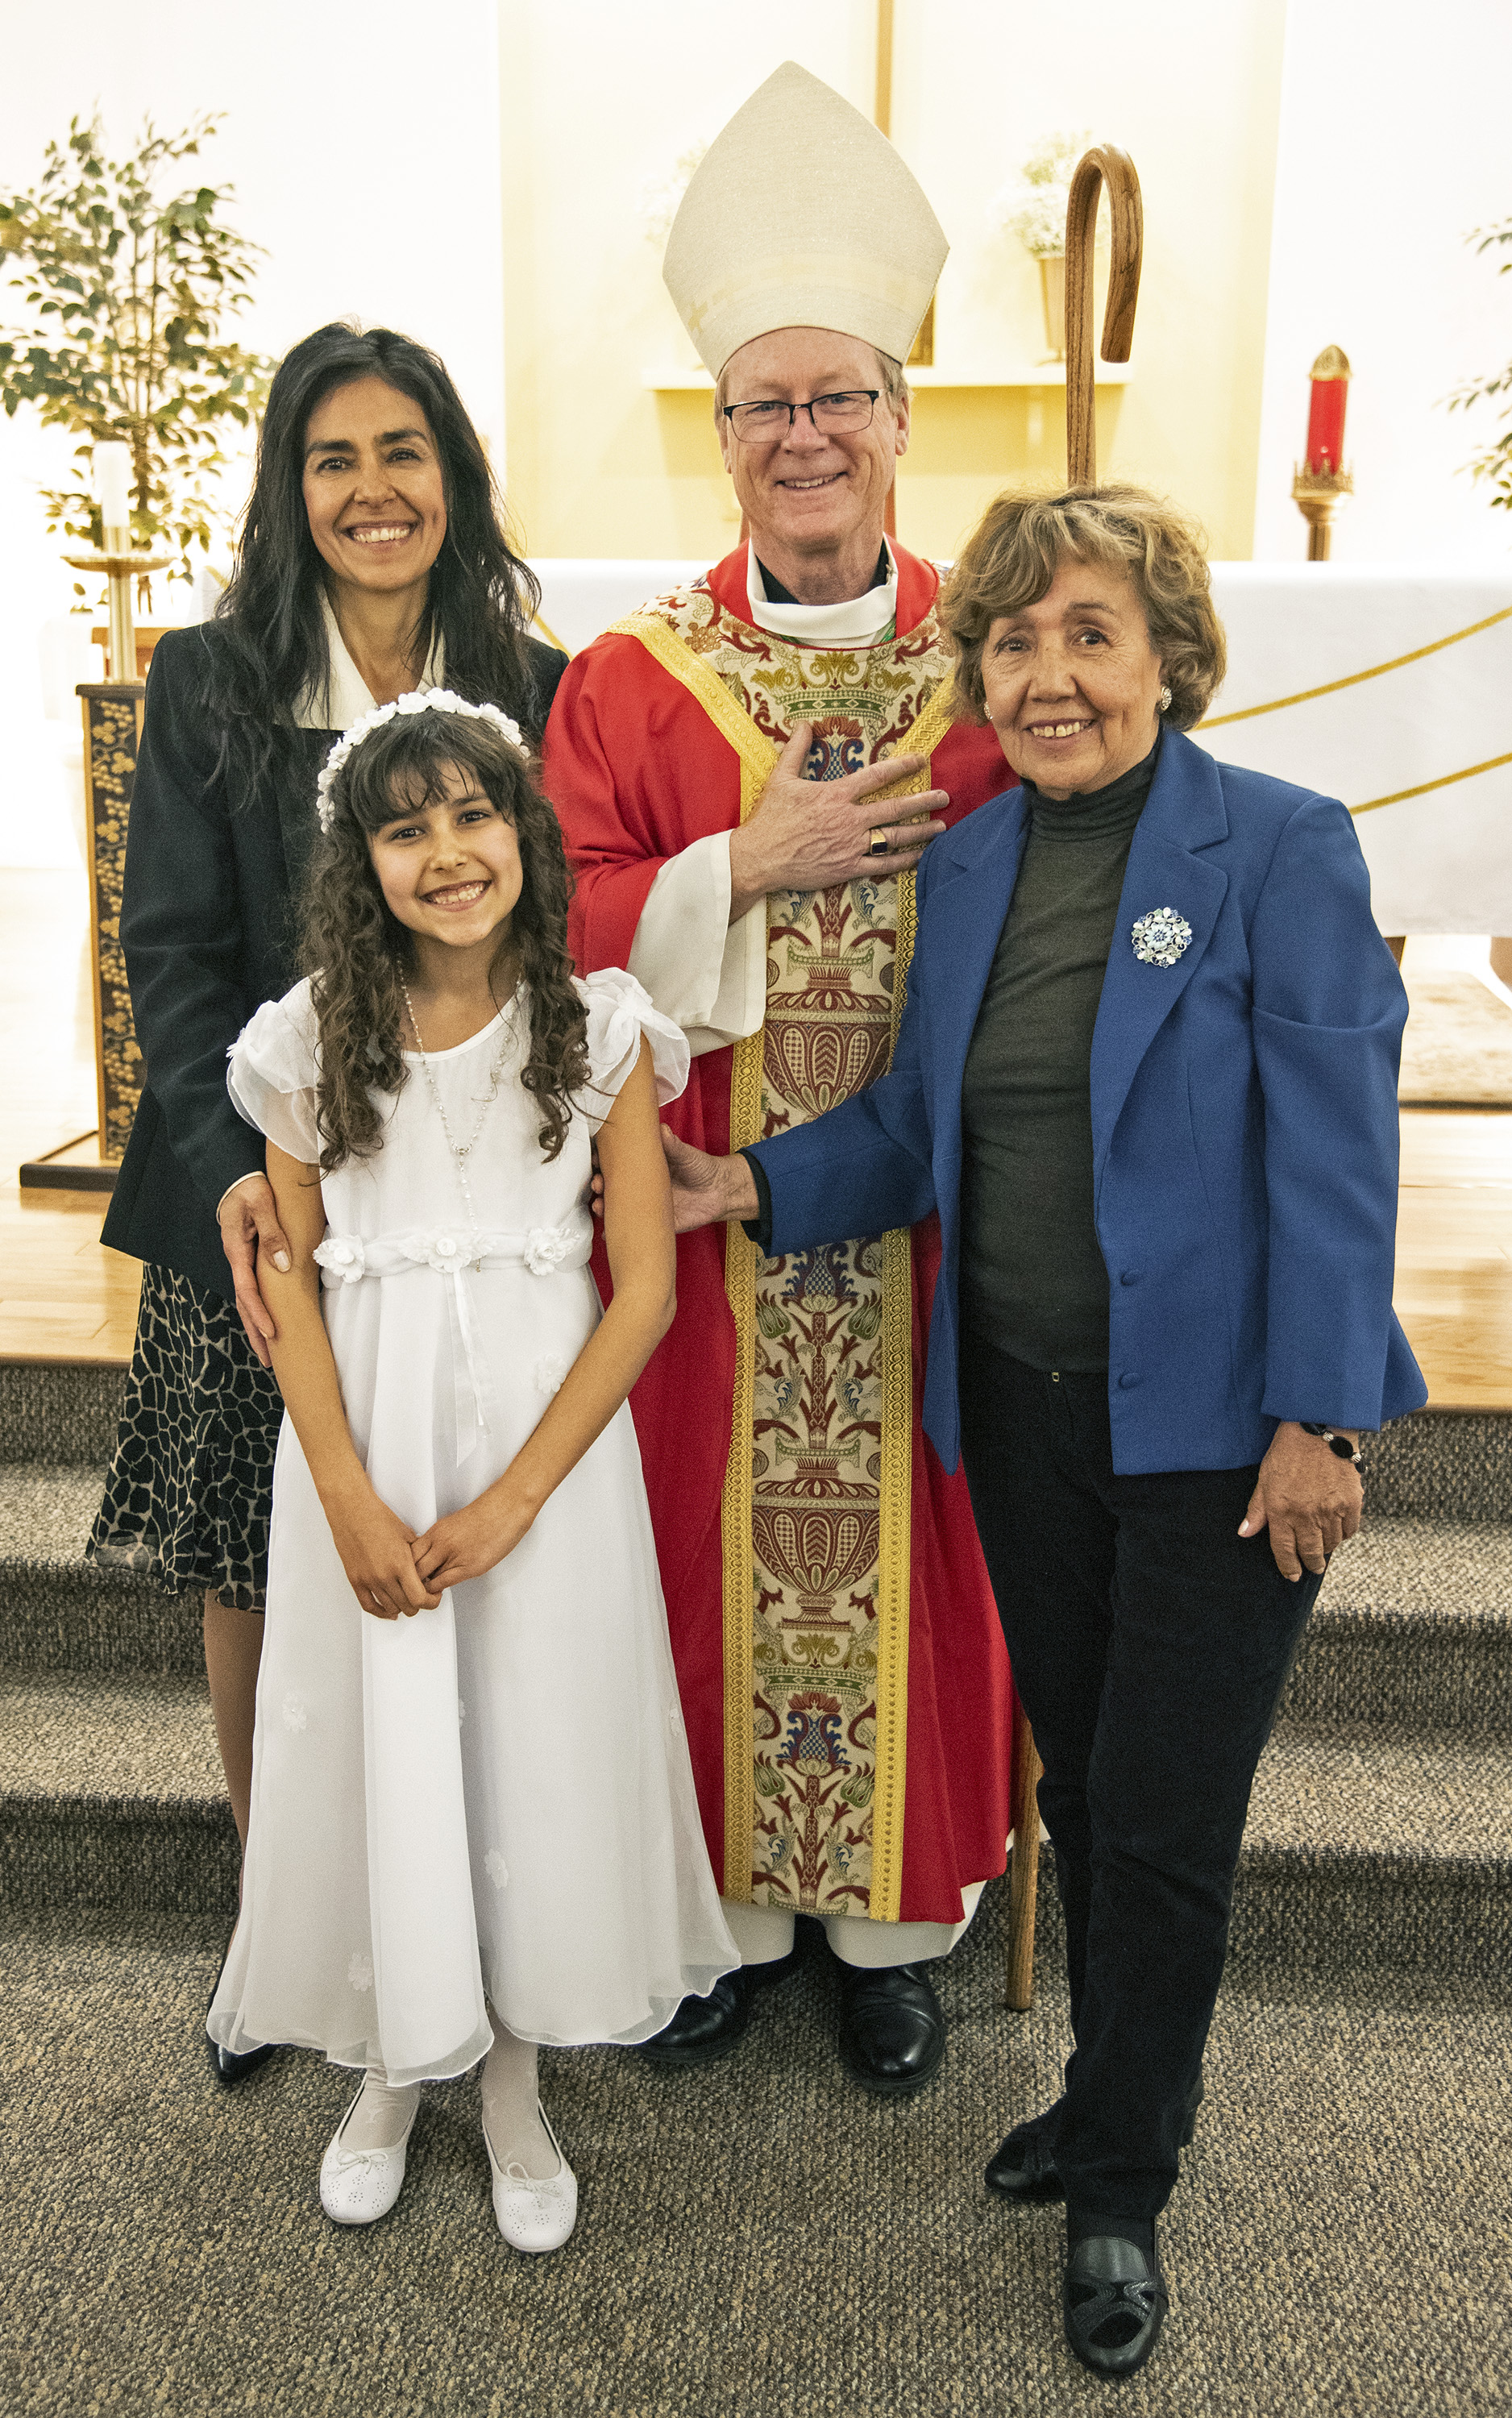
<point x="473" y="1821"/>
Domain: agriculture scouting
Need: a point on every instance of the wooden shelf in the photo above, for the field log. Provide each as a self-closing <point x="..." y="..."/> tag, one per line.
<point x="665" y="380"/>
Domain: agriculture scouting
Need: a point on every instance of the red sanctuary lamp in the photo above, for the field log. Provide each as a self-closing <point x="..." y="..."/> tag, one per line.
<point x="1321" y="482"/>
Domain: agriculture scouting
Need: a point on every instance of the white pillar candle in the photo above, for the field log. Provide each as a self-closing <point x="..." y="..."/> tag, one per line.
<point x="113" y="485"/>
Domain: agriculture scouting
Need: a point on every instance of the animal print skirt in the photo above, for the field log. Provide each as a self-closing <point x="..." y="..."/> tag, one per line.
<point x="191" y="1487"/>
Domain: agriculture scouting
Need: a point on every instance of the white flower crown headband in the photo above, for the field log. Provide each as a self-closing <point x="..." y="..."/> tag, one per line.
<point x="419" y="700"/>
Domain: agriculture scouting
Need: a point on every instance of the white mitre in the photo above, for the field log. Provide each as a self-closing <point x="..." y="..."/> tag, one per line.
<point x="802" y="215"/>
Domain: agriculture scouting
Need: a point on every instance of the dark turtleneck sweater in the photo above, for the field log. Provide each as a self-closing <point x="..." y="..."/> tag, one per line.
<point x="1032" y="1278"/>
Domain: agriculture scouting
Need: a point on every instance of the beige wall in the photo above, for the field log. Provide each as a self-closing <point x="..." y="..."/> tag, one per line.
<point x="598" y="97"/>
<point x="1374" y="202"/>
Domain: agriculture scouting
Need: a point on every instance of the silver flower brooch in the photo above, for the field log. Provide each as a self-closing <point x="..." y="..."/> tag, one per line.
<point x="1160" y="937"/>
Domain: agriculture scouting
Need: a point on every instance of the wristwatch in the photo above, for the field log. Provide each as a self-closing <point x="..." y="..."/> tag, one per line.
<point x="1337" y="1444"/>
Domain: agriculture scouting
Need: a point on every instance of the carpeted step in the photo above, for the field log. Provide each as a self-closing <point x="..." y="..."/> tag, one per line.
<point x="59" y="1410"/>
<point x="1413" y="1625"/>
<point x="111" y="1794"/>
<point x="1412" y="1628"/>
<point x="1442" y="1465"/>
<point x="1369" y="1847"/>
<point x="1455" y="1464"/>
<point x="57" y="1611"/>
<point x="1365" y="1849"/>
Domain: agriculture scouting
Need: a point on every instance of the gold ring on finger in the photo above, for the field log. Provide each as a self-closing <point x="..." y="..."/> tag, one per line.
<point x="879" y="843"/>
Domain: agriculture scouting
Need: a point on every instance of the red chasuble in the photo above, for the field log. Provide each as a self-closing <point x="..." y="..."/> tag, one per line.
<point x="842" y="1669"/>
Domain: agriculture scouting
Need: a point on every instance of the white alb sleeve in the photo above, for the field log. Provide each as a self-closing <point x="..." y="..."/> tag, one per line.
<point x="708" y="975"/>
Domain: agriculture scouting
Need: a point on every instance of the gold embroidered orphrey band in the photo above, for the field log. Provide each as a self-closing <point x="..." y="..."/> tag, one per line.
<point x="757" y="755"/>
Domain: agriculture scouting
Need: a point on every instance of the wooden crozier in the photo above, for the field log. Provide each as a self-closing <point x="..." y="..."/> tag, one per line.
<point x="1106" y="165"/>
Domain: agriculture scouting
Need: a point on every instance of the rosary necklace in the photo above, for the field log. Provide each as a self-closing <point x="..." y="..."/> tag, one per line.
<point x="461" y="1151"/>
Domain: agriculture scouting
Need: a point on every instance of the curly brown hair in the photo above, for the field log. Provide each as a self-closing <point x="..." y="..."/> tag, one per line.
<point x="1013" y="555"/>
<point x="354" y="947"/>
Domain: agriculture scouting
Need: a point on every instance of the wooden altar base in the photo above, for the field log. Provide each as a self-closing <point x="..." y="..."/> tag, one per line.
<point x="74" y="1167"/>
<point x="63" y="1296"/>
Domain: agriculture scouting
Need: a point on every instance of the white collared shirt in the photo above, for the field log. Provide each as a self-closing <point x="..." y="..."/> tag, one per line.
<point x="858" y="622"/>
<point x="345" y="697"/>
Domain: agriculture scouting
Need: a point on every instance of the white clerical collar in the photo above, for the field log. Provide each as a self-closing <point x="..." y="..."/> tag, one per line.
<point x="345" y="695"/>
<point x="857" y="622"/>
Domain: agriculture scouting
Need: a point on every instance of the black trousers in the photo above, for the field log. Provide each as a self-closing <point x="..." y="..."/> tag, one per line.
<point x="1150" y="1644"/>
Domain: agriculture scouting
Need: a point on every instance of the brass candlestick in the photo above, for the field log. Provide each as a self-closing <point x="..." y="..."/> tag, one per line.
<point x="1318" y="494"/>
<point x="118" y="563"/>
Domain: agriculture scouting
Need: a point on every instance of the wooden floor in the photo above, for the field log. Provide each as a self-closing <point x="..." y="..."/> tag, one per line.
<point x="63" y="1296"/>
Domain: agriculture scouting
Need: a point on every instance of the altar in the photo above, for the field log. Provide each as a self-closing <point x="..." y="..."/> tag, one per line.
<point x="1386" y="685"/>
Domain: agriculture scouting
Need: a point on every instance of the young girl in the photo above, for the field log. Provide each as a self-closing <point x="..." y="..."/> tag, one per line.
<point x="473" y="1821"/>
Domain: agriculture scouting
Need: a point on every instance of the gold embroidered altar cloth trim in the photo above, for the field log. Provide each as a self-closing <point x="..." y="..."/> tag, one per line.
<point x="870" y="1881"/>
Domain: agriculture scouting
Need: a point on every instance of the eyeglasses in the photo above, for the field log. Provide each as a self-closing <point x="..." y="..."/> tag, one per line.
<point x="829" y="415"/>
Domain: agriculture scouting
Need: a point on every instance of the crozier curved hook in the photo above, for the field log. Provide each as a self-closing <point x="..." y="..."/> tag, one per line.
<point x="1107" y="165"/>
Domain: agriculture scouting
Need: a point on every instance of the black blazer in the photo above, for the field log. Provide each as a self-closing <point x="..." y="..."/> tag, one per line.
<point x="207" y="928"/>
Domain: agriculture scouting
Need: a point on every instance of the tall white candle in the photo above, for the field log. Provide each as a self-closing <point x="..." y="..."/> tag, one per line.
<point x="113" y="485"/>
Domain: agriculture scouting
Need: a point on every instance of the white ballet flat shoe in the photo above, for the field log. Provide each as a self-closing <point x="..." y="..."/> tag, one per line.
<point x="358" y="2186"/>
<point x="533" y="2216"/>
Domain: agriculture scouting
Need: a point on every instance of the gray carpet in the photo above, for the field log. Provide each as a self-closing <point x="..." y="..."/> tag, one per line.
<point x="758" y="2241"/>
<point x="762" y="2240"/>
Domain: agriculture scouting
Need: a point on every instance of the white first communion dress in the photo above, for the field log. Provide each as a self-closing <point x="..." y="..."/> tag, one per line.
<point x="494" y="1800"/>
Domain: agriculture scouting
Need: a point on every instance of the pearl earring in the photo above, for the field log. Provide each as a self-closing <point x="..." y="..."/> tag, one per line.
<point x="1164" y="700"/>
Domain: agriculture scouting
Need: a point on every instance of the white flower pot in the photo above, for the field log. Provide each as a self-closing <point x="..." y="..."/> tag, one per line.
<point x="1053" y="295"/>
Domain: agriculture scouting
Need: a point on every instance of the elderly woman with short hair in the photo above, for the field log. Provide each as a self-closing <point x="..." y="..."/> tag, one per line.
<point x="1148" y="1076"/>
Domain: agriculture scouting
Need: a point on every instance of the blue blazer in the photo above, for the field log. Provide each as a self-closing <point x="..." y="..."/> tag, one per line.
<point x="1243" y="1106"/>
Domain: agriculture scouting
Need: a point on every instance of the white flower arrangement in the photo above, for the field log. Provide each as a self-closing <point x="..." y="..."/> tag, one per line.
<point x="419" y="700"/>
<point x="661" y="197"/>
<point x="1033" y="205"/>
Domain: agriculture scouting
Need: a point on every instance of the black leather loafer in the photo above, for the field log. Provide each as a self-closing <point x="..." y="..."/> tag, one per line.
<point x="892" y="2029"/>
<point x="1023" y="2167"/>
<point x="227" y="2067"/>
<point x="705" y="2030"/>
<point x="1115" y="2305"/>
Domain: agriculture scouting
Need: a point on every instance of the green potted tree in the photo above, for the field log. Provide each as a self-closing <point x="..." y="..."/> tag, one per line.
<point x="1493" y="463"/>
<point x="126" y="278"/>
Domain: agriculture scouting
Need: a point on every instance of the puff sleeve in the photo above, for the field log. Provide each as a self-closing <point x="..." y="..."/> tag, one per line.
<point x="272" y="1074"/>
<point x="619" y="1016"/>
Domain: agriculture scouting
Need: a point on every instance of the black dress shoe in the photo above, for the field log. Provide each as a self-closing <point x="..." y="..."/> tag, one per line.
<point x="705" y="2030"/>
<point x="1023" y="2167"/>
<point x="227" y="2067"/>
<point x="892" y="2029"/>
<point x="1115" y="2305"/>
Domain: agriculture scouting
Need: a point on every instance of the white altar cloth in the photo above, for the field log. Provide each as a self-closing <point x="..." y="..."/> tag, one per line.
<point x="1440" y="860"/>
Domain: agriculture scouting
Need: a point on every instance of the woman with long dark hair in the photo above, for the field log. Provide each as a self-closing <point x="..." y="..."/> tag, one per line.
<point x="373" y="560"/>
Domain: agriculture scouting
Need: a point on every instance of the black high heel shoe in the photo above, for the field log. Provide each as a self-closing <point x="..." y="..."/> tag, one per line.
<point x="227" y="2067"/>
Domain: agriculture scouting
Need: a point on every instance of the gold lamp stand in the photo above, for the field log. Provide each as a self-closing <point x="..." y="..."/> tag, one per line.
<point x="1318" y="494"/>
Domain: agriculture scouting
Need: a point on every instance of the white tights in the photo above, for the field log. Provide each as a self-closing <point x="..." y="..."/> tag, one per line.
<point x="512" y="2114"/>
<point x="511" y="2111"/>
<point x="382" y="2116"/>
